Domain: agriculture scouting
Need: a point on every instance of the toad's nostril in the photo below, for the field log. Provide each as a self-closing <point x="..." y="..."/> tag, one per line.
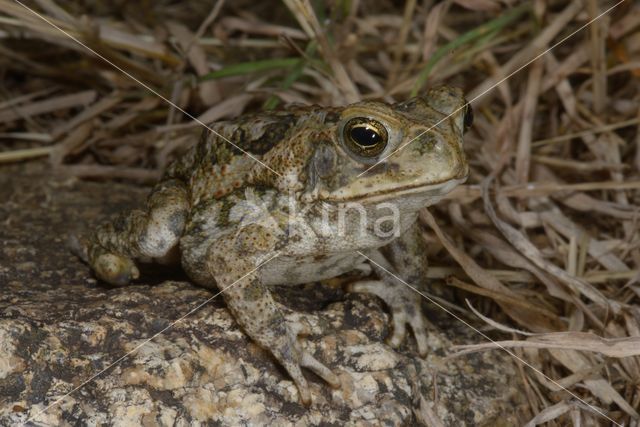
<point x="468" y="116"/>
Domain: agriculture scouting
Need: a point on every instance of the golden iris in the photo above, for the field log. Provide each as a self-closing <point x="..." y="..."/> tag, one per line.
<point x="365" y="137"/>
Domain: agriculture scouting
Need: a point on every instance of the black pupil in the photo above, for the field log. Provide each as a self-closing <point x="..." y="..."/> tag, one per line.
<point x="365" y="136"/>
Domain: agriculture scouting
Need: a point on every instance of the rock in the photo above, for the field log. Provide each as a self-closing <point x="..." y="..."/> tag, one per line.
<point x="61" y="331"/>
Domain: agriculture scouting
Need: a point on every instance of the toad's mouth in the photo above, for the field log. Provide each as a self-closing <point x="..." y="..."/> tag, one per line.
<point x="433" y="189"/>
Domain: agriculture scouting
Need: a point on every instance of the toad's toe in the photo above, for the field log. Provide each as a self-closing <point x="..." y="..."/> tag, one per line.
<point x="405" y="306"/>
<point x="115" y="269"/>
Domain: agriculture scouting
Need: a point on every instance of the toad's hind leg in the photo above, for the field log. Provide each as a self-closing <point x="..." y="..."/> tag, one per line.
<point x="151" y="233"/>
<point x="232" y="264"/>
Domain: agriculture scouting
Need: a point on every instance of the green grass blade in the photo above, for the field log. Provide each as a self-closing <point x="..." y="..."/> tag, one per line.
<point x="245" y="68"/>
<point x="477" y="34"/>
<point x="294" y="75"/>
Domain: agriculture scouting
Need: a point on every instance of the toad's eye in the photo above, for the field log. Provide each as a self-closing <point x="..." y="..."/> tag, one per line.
<point x="365" y="137"/>
<point x="468" y="116"/>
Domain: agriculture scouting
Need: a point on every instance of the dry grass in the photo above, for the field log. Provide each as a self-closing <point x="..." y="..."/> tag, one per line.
<point x="545" y="234"/>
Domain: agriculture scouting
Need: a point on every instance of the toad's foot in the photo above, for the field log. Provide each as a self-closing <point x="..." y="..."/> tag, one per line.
<point x="142" y="234"/>
<point x="115" y="269"/>
<point x="287" y="349"/>
<point x="112" y="268"/>
<point x="404" y="304"/>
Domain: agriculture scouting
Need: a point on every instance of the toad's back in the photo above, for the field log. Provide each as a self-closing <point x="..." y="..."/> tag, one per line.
<point x="216" y="166"/>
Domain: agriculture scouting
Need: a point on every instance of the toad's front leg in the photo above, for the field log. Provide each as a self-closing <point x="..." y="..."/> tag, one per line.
<point x="402" y="269"/>
<point x="152" y="233"/>
<point x="234" y="262"/>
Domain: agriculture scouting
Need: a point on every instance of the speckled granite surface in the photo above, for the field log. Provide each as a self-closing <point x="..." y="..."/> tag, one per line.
<point x="59" y="327"/>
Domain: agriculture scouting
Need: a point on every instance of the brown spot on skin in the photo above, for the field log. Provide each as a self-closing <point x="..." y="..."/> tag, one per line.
<point x="332" y="117"/>
<point x="386" y="226"/>
<point x="248" y="137"/>
<point x="252" y="292"/>
<point x="120" y="224"/>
